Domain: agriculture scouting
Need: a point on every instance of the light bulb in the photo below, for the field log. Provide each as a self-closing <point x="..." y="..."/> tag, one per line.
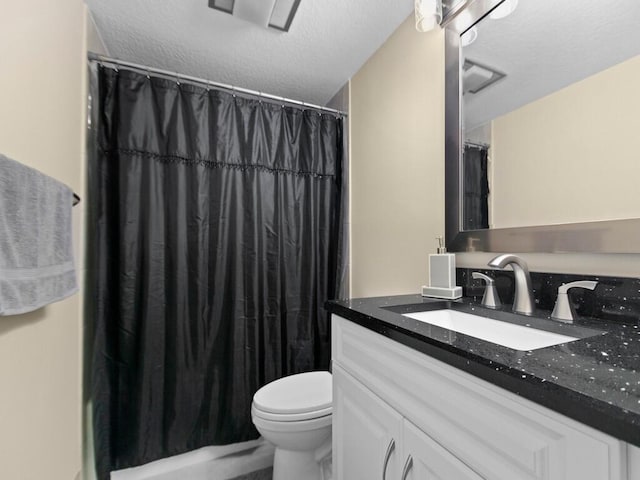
<point x="469" y="36"/>
<point x="428" y="14"/>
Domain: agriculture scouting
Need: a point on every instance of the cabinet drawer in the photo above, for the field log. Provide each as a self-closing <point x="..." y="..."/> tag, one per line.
<point x="494" y="432"/>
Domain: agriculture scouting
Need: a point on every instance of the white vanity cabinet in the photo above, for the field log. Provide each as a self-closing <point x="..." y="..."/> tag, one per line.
<point x="399" y="412"/>
<point x="373" y="441"/>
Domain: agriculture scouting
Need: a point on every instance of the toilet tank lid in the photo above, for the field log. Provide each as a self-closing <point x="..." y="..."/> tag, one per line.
<point x="300" y="393"/>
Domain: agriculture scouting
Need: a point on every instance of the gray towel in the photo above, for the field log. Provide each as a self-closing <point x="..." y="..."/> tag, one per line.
<point x="36" y="251"/>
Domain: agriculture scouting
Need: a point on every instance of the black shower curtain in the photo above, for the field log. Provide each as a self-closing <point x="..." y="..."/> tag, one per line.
<point x="214" y="244"/>
<point x="475" y="209"/>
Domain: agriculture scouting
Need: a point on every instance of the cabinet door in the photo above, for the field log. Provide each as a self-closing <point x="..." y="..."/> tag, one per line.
<point x="424" y="459"/>
<point x="633" y="460"/>
<point x="497" y="434"/>
<point x="367" y="433"/>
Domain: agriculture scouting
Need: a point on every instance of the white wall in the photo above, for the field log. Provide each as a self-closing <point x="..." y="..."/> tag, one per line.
<point x="41" y="60"/>
<point x="93" y="40"/>
<point x="397" y="163"/>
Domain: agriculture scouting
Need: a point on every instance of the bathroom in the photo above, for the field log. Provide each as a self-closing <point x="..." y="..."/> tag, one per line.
<point x="397" y="128"/>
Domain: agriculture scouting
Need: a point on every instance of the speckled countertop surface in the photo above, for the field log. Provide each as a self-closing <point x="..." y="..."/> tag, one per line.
<point x="594" y="380"/>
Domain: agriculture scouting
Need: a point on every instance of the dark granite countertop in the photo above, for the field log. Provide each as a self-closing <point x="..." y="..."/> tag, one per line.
<point x="593" y="380"/>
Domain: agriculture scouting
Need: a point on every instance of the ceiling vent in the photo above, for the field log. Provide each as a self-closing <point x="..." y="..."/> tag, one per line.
<point x="477" y="77"/>
<point x="276" y="14"/>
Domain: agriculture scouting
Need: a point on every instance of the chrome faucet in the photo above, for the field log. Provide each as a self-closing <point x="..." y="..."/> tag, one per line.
<point x="523" y="298"/>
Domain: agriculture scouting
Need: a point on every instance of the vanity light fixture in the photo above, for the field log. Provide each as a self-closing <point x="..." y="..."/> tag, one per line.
<point x="276" y="14"/>
<point x="428" y="14"/>
<point x="506" y="8"/>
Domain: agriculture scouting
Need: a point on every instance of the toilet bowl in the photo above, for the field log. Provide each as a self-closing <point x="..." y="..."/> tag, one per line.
<point x="294" y="414"/>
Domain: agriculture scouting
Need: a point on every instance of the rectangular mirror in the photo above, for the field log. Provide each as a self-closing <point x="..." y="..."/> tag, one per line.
<point x="451" y="6"/>
<point x="542" y="102"/>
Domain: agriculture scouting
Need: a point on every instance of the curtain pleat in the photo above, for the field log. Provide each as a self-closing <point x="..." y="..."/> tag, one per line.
<point x="475" y="209"/>
<point x="215" y="244"/>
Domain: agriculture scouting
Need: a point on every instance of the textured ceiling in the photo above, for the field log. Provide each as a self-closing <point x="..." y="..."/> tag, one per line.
<point x="329" y="40"/>
<point x="546" y="45"/>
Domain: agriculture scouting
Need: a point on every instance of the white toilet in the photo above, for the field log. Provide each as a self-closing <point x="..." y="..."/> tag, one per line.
<point x="294" y="413"/>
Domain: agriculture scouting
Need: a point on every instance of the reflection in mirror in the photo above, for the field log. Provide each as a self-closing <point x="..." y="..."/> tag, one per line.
<point x="551" y="100"/>
<point x="448" y="6"/>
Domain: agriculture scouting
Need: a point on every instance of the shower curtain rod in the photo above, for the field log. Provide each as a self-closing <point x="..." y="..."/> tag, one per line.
<point x="94" y="57"/>
<point x="477" y="145"/>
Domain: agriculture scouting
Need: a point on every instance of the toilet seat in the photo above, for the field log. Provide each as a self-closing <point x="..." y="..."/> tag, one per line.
<point x="299" y="397"/>
<point x="290" y="417"/>
<point x="291" y="426"/>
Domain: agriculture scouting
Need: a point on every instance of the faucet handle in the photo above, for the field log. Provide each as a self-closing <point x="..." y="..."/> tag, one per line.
<point x="564" y="309"/>
<point x="490" y="298"/>
<point x="482" y="276"/>
<point x="564" y="288"/>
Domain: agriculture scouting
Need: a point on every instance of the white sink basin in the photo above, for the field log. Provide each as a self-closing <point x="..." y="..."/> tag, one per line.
<point x="506" y="334"/>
